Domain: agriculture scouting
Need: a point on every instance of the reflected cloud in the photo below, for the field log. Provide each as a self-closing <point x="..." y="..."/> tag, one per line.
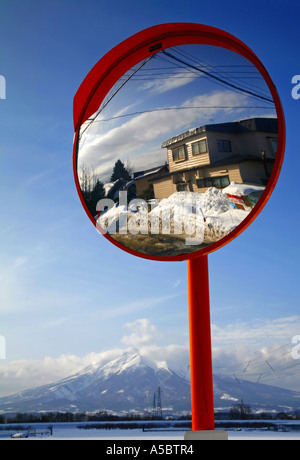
<point x="159" y="85"/>
<point x="192" y="161"/>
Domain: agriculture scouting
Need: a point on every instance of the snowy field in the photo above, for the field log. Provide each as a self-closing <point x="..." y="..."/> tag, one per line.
<point x="70" y="431"/>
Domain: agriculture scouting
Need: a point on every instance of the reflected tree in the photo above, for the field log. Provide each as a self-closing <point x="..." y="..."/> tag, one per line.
<point x="120" y="172"/>
<point x="92" y="189"/>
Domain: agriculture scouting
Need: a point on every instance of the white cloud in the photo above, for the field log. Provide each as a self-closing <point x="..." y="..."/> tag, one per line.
<point x="142" y="332"/>
<point x="257" y="332"/>
<point x="128" y="139"/>
<point x="271" y="365"/>
<point x="176" y="283"/>
<point x="136" y="305"/>
<point x="180" y="78"/>
<point x="20" y="375"/>
<point x="262" y="351"/>
<point x="258" y="351"/>
<point x="176" y="356"/>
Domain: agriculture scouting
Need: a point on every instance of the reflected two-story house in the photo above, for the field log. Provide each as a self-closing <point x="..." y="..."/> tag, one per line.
<point x="215" y="155"/>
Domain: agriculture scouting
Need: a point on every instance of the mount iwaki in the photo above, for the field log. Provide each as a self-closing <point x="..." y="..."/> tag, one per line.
<point x="127" y="384"/>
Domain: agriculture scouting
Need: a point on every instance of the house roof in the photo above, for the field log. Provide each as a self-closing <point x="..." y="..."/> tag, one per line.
<point x="269" y="125"/>
<point x="149" y="172"/>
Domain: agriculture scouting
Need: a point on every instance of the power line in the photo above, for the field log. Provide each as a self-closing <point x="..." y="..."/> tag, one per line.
<point x="166" y="59"/>
<point x="217" y="78"/>
<point x="278" y="374"/>
<point x="223" y="73"/>
<point x="260" y="362"/>
<point x="255" y="373"/>
<point x="207" y="65"/>
<point x="270" y="365"/>
<point x="116" y="91"/>
<point x="124" y="83"/>
<point x="183" y="108"/>
<point x="248" y="364"/>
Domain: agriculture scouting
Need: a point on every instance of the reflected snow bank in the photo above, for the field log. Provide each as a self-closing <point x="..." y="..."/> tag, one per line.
<point x="196" y="217"/>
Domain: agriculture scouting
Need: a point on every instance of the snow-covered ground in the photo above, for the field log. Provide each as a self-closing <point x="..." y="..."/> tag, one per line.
<point x="205" y="217"/>
<point x="210" y="213"/>
<point x="138" y="435"/>
<point x="242" y="189"/>
<point x="72" y="432"/>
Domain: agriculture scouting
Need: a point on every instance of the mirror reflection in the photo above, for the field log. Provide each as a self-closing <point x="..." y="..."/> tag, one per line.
<point x="180" y="150"/>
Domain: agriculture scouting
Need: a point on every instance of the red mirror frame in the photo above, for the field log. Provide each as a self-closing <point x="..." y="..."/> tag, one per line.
<point x="111" y="67"/>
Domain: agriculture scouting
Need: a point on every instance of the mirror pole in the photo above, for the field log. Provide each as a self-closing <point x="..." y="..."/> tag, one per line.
<point x="202" y="402"/>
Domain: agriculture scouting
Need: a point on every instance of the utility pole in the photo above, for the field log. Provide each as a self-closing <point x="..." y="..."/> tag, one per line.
<point x="157" y="406"/>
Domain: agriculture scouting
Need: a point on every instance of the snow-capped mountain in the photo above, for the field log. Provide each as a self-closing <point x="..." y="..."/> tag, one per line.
<point x="229" y="391"/>
<point x="128" y="383"/>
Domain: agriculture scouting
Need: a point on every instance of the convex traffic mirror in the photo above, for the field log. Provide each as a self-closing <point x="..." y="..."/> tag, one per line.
<point x="179" y="141"/>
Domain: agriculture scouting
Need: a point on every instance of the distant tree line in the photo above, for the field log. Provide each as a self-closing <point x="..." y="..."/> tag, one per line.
<point x="243" y="411"/>
<point x="52" y="417"/>
<point x="239" y="411"/>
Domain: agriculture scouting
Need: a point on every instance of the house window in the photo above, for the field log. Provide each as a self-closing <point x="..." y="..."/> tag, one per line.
<point x="179" y="154"/>
<point x="207" y="182"/>
<point x="224" y="146"/>
<point x="274" y="144"/>
<point x="199" y="147"/>
<point x="182" y="187"/>
<point x="219" y="182"/>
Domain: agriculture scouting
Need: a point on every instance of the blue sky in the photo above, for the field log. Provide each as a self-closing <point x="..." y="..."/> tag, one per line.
<point x="133" y="119"/>
<point x="68" y="295"/>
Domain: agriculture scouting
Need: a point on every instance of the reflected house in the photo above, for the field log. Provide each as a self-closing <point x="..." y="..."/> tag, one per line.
<point x="216" y="155"/>
<point x="143" y="179"/>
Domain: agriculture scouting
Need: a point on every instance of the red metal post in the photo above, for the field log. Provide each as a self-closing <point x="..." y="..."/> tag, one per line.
<point x="200" y="345"/>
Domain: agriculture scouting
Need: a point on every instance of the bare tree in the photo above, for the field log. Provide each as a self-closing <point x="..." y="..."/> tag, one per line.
<point x="91" y="188"/>
<point x="87" y="180"/>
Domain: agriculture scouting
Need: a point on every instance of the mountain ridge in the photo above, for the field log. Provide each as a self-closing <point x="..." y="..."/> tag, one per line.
<point x="127" y="383"/>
